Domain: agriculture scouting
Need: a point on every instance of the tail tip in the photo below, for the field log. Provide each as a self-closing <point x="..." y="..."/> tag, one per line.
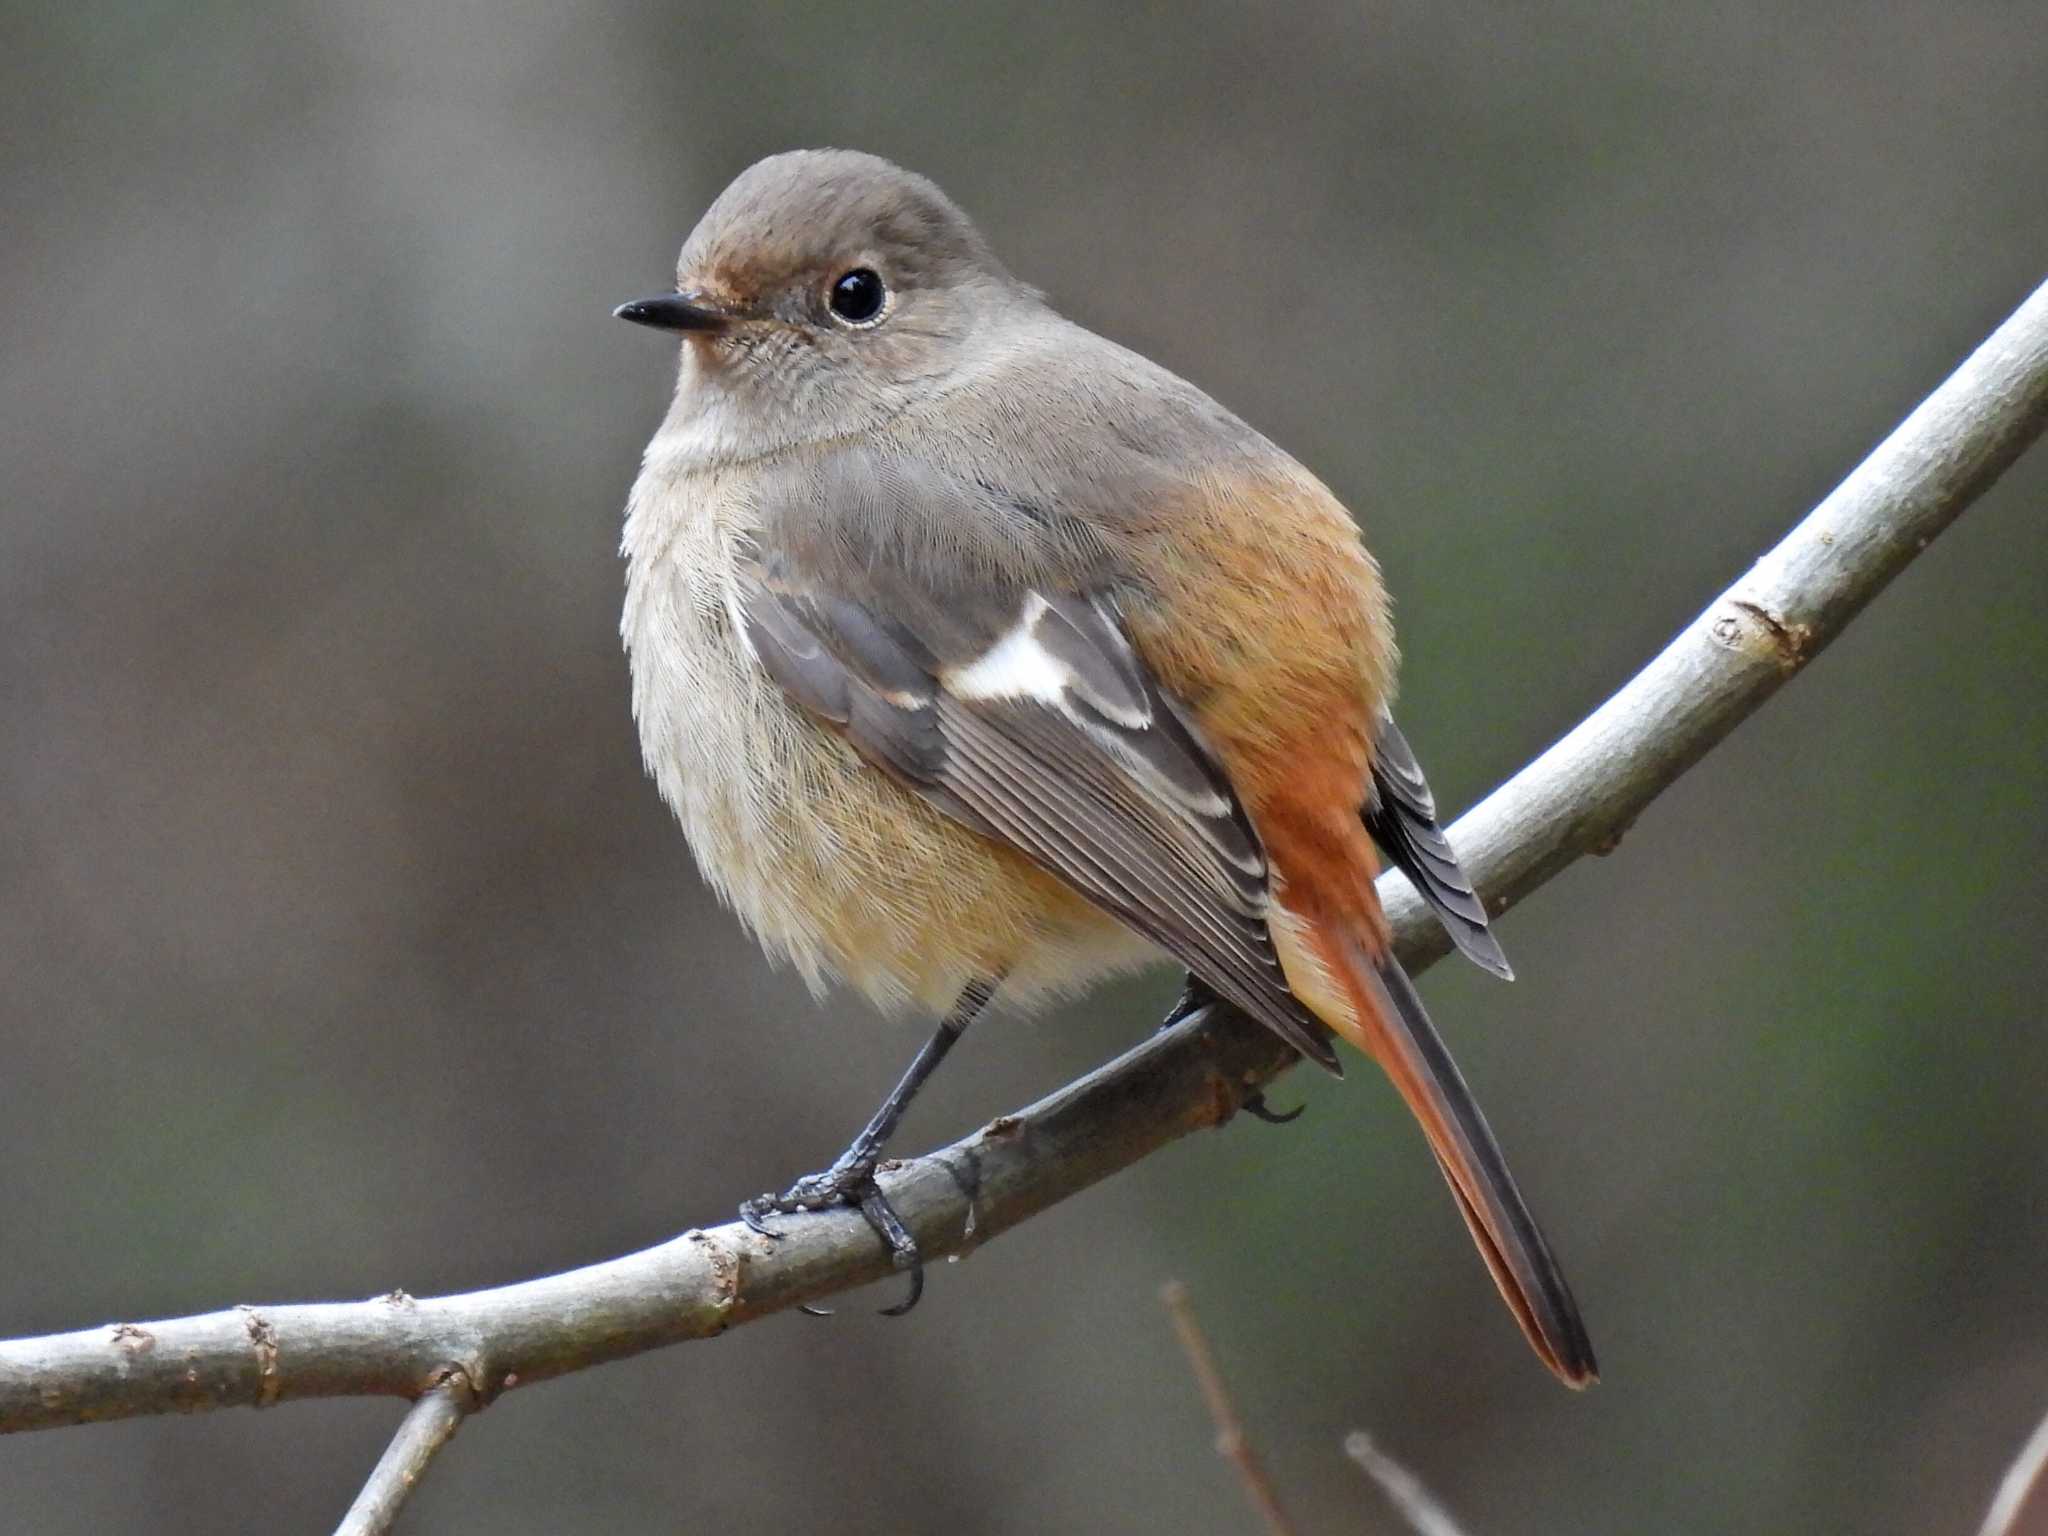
<point x="1574" y="1364"/>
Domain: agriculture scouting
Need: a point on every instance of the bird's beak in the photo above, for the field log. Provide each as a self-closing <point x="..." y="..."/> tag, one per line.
<point x="679" y="312"/>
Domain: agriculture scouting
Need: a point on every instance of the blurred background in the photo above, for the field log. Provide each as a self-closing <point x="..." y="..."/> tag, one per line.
<point x="343" y="945"/>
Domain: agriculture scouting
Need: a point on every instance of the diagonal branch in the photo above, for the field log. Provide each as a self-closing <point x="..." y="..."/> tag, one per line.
<point x="428" y="1426"/>
<point x="1578" y="797"/>
<point x="1410" y="1496"/>
<point x="2024" y="1486"/>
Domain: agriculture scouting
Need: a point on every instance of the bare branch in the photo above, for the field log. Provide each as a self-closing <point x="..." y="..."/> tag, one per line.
<point x="1583" y="794"/>
<point x="1578" y="797"/>
<point x="1408" y="1494"/>
<point x="2024" y="1487"/>
<point x="428" y="1425"/>
<point x="1232" y="1444"/>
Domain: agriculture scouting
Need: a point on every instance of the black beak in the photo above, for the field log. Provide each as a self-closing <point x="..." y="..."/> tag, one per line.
<point x="678" y="312"/>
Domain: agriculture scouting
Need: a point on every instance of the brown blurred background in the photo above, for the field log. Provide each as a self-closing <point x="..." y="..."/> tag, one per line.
<point x="343" y="945"/>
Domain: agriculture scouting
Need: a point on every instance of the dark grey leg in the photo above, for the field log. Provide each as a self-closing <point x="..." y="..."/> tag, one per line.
<point x="851" y="1178"/>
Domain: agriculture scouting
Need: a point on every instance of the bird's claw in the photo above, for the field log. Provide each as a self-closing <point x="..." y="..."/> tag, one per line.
<point x="755" y="1213"/>
<point x="845" y="1184"/>
<point x="1255" y="1105"/>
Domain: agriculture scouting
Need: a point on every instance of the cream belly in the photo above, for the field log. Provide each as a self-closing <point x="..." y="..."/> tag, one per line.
<point x="833" y="866"/>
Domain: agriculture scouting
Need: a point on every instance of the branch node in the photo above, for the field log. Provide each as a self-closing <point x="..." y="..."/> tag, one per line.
<point x="1750" y="627"/>
<point x="466" y="1385"/>
<point x="968" y="1183"/>
<point x="1229" y="1098"/>
<point x="1610" y="840"/>
<point x="263" y="1341"/>
<point x="725" y="1276"/>
<point x="727" y="1263"/>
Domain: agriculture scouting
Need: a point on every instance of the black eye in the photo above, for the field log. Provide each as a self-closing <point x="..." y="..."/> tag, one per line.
<point x="858" y="296"/>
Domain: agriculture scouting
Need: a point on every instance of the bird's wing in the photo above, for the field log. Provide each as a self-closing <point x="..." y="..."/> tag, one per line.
<point x="1027" y="715"/>
<point x="1401" y="816"/>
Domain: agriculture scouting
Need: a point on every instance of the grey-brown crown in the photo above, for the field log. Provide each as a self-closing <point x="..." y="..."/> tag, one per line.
<point x="793" y="215"/>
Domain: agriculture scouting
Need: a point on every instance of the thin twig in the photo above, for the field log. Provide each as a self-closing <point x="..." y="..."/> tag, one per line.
<point x="428" y="1425"/>
<point x="1578" y="797"/>
<point x="2023" y="1488"/>
<point x="1408" y="1494"/>
<point x="1232" y="1444"/>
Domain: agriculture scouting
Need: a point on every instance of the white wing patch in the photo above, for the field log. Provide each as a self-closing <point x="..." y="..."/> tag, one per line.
<point x="1017" y="666"/>
<point x="1053" y="738"/>
<point x="1020" y="667"/>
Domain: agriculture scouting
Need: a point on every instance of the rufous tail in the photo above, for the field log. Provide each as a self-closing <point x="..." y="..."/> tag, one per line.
<point x="1388" y="1023"/>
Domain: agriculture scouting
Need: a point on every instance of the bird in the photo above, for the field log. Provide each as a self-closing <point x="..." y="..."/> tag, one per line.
<point x="980" y="658"/>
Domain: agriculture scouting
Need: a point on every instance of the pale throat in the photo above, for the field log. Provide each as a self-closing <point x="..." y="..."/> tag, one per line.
<point x="715" y="422"/>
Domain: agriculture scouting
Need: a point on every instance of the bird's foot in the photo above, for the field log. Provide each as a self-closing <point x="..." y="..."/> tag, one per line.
<point x="1256" y="1106"/>
<point x="1194" y="997"/>
<point x="850" y="1181"/>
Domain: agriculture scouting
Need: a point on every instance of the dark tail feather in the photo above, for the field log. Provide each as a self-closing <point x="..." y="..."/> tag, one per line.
<point x="1400" y="814"/>
<point x="1406" y="1044"/>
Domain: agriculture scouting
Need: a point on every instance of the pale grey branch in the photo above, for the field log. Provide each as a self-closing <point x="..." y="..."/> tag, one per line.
<point x="2024" y="1487"/>
<point x="1409" y="1495"/>
<point x="1583" y="793"/>
<point x="428" y="1425"/>
<point x="1578" y="797"/>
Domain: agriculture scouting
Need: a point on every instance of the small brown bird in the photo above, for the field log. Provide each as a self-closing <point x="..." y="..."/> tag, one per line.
<point x="979" y="656"/>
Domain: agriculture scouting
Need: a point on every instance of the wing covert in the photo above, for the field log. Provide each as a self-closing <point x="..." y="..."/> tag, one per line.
<point x="1036" y="723"/>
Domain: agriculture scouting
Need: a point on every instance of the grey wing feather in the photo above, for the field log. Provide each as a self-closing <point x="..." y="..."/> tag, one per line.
<point x="1401" y="816"/>
<point x="1097" y="778"/>
<point x="897" y="728"/>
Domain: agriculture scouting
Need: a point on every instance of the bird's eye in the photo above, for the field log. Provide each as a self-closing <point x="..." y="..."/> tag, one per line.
<point x="858" y="296"/>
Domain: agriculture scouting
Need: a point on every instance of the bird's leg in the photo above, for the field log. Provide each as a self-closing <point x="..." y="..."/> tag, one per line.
<point x="1196" y="995"/>
<point x="851" y="1178"/>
